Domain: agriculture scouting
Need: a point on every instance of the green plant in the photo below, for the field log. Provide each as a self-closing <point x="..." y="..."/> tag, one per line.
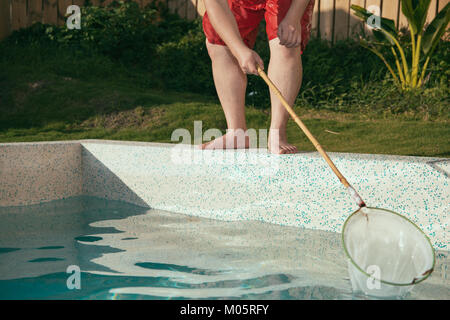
<point x="184" y="65"/>
<point x="423" y="40"/>
<point x="166" y="52"/>
<point x="122" y="30"/>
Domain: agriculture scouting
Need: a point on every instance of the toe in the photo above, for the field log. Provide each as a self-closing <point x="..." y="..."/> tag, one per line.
<point x="280" y="150"/>
<point x="286" y="150"/>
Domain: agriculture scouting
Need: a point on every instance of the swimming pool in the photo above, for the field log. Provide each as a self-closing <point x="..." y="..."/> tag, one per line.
<point x="129" y="252"/>
<point x="146" y="220"/>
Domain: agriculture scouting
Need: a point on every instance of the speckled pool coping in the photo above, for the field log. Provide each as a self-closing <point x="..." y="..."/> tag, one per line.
<point x="296" y="190"/>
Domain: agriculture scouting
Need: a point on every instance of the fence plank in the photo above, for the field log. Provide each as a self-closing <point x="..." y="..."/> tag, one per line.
<point x="191" y="10"/>
<point x="62" y="8"/>
<point x="341" y="19"/>
<point x="50" y="13"/>
<point x="432" y="10"/>
<point x="5" y="23"/>
<point x="369" y="4"/>
<point x="19" y="14"/>
<point x="34" y="11"/>
<point x="172" y="4"/>
<point x="373" y="3"/>
<point x="315" y="20"/>
<point x="390" y="10"/>
<point x="326" y="19"/>
<point x="402" y="21"/>
<point x="356" y="26"/>
<point x="182" y="8"/>
<point x="79" y="3"/>
<point x="442" y="4"/>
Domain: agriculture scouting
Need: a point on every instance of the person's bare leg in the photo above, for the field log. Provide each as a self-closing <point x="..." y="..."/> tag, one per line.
<point x="231" y="84"/>
<point x="285" y="70"/>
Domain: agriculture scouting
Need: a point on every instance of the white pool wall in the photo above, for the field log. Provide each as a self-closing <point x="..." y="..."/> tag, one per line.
<point x="296" y="190"/>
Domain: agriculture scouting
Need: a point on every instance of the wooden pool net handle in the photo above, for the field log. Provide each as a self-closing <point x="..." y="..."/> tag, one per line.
<point x="314" y="141"/>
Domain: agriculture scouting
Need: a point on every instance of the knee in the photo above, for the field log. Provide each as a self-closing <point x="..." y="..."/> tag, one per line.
<point x="285" y="53"/>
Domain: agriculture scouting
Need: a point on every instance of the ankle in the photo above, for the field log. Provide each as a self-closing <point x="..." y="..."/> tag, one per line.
<point x="278" y="133"/>
<point x="236" y="131"/>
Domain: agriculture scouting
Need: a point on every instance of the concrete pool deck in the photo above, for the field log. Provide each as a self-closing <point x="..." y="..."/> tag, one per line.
<point x="296" y="190"/>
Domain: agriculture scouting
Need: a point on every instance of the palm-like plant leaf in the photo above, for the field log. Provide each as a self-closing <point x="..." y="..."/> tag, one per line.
<point x="416" y="13"/>
<point x="426" y="41"/>
<point x="387" y="25"/>
<point x="381" y="37"/>
<point x="435" y="30"/>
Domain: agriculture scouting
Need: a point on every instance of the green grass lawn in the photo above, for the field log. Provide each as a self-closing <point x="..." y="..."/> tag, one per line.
<point x="75" y="109"/>
<point x="47" y="97"/>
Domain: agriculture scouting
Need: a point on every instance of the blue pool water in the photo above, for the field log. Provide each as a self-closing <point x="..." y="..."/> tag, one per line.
<point x="129" y="252"/>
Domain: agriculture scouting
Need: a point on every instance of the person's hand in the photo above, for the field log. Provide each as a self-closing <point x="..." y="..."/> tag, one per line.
<point x="290" y="32"/>
<point x="249" y="61"/>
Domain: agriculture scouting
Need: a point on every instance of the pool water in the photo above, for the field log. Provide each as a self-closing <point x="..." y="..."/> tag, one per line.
<point x="129" y="252"/>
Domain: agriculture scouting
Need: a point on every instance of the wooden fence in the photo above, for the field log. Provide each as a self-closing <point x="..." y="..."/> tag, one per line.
<point x="332" y="19"/>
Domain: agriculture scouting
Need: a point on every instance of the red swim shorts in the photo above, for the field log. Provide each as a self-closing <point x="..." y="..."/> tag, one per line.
<point x="248" y="15"/>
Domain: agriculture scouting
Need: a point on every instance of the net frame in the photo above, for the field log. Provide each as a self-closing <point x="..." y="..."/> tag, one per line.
<point x="416" y="280"/>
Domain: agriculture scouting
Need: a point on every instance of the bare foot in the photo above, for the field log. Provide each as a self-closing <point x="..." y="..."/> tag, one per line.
<point x="233" y="139"/>
<point x="280" y="145"/>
